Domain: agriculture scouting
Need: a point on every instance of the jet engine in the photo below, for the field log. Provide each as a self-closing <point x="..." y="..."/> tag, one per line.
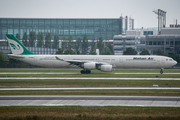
<point x="107" y="68"/>
<point x="89" y="66"/>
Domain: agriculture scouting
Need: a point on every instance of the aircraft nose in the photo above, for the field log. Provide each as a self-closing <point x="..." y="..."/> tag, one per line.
<point x="175" y="62"/>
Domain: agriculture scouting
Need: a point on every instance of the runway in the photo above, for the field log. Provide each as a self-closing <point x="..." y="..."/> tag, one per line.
<point x="82" y="78"/>
<point x="148" y="101"/>
<point x="38" y="73"/>
<point x="98" y="88"/>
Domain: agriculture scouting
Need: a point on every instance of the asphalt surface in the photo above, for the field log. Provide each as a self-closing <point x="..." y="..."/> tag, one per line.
<point x="149" y="101"/>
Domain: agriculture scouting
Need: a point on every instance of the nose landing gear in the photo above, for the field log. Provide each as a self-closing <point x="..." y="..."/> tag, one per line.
<point x="161" y="71"/>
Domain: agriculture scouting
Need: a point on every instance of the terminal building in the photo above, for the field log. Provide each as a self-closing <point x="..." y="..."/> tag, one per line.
<point x="93" y="28"/>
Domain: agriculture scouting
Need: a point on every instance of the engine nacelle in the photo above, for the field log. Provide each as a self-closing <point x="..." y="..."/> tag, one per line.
<point x="89" y="66"/>
<point x="107" y="68"/>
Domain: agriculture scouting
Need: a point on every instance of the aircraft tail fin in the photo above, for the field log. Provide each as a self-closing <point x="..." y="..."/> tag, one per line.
<point x="16" y="47"/>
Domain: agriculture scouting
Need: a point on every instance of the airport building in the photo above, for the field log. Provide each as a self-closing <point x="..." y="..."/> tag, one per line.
<point x="168" y="40"/>
<point x="135" y="39"/>
<point x="93" y="28"/>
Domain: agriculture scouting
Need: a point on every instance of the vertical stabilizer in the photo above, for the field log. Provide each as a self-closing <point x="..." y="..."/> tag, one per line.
<point x="16" y="47"/>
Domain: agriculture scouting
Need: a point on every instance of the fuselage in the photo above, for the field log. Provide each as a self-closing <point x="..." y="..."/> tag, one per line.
<point x="117" y="61"/>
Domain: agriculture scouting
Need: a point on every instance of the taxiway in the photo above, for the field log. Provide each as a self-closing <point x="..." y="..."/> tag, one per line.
<point x="149" y="101"/>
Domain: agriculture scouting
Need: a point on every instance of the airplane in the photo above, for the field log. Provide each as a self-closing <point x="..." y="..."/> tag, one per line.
<point x="105" y="63"/>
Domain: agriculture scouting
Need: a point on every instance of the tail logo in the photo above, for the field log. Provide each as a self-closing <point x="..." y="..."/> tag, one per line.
<point x="15" y="47"/>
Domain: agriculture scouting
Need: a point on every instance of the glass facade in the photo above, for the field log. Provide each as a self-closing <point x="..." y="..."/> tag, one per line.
<point x="148" y="33"/>
<point x="93" y="28"/>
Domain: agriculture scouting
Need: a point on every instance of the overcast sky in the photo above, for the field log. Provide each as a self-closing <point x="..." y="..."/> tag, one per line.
<point x="140" y="10"/>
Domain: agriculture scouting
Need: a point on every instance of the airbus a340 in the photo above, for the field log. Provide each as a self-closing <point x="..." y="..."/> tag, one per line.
<point x="106" y="63"/>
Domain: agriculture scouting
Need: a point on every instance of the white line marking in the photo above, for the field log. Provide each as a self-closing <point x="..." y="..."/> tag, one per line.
<point x="60" y="73"/>
<point x="98" y="88"/>
<point x="66" y="78"/>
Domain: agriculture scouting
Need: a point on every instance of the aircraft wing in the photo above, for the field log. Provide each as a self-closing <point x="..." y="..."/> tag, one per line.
<point x="72" y="62"/>
<point x="78" y="62"/>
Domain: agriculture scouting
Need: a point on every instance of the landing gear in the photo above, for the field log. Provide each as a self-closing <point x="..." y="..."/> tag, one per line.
<point x="85" y="71"/>
<point x="161" y="71"/>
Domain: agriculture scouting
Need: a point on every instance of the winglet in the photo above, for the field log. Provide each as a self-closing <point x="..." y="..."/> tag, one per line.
<point x="16" y="47"/>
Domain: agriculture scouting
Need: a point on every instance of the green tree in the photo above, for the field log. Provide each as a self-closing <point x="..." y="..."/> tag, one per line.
<point x="63" y="45"/>
<point x="78" y="53"/>
<point x="24" y="39"/>
<point x="130" y="51"/>
<point x="174" y="56"/>
<point x="69" y="51"/>
<point x="18" y="36"/>
<point x="110" y="48"/>
<point x="60" y="51"/>
<point x="85" y="45"/>
<point x="159" y="52"/>
<point x="106" y="51"/>
<point x="32" y="38"/>
<point x="56" y="42"/>
<point x="48" y="40"/>
<point x="94" y="51"/>
<point x="40" y="39"/>
<point x="145" y="52"/>
<point x="70" y="44"/>
<point x="78" y="44"/>
<point x="3" y="60"/>
<point x="100" y="44"/>
<point x="93" y="44"/>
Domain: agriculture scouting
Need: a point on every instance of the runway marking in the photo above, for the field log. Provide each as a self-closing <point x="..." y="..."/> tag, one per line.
<point x="98" y="88"/>
<point x="79" y="78"/>
<point x="34" y="73"/>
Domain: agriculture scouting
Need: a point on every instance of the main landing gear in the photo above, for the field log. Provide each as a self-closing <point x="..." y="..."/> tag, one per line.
<point x="161" y="71"/>
<point x="85" y="71"/>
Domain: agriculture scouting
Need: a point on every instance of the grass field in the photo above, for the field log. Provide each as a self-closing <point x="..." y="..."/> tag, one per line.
<point x="94" y="92"/>
<point x="56" y="83"/>
<point x="88" y="113"/>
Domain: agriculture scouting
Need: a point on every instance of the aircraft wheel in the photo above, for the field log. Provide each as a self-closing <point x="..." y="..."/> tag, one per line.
<point x="88" y="71"/>
<point x="82" y="71"/>
<point x="85" y="71"/>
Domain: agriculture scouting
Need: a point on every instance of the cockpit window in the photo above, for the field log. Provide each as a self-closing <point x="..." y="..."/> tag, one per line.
<point x="170" y="60"/>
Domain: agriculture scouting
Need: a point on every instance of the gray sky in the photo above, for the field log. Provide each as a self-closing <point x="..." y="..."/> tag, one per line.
<point x="140" y="10"/>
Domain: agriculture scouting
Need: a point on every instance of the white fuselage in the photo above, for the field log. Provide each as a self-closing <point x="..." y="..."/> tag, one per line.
<point x="117" y="61"/>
